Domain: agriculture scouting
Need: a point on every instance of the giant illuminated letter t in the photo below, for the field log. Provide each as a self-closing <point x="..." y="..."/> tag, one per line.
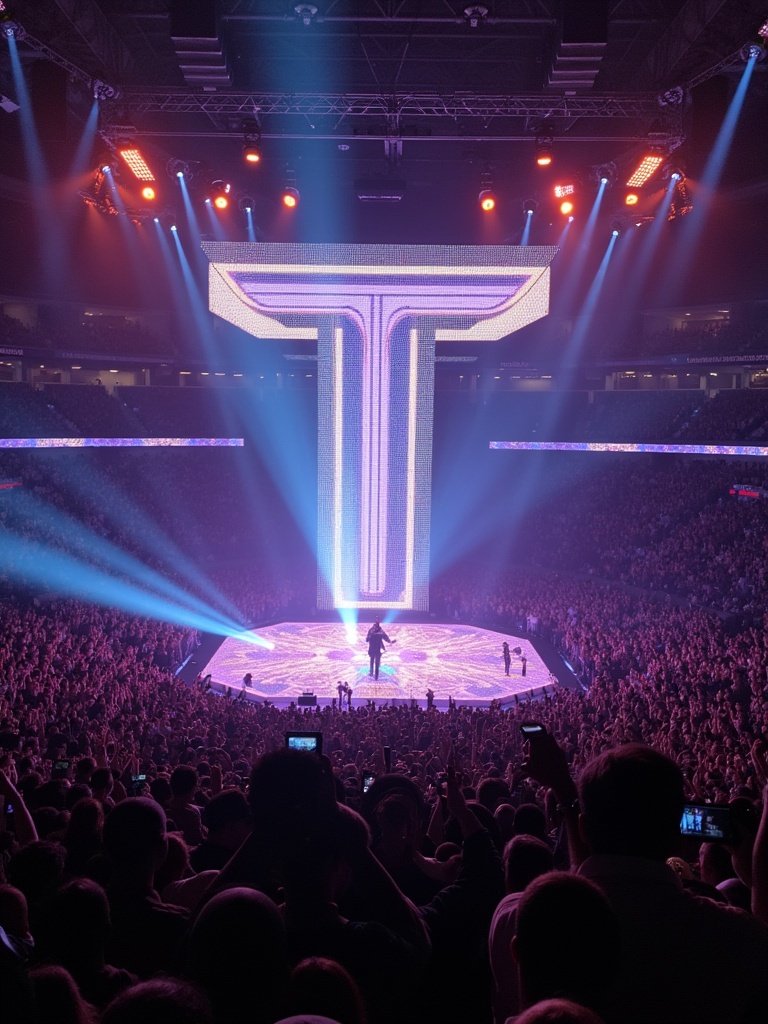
<point x="376" y="312"/>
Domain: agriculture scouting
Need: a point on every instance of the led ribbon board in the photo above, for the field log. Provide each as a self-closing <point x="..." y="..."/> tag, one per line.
<point x="376" y="312"/>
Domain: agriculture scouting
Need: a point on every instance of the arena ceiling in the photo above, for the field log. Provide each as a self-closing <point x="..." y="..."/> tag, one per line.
<point x="435" y="92"/>
<point x="392" y="69"/>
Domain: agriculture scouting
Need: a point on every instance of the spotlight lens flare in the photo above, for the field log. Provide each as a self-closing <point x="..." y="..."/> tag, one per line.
<point x="566" y="207"/>
<point x="487" y="201"/>
<point x="148" y="193"/>
<point x="221" y="202"/>
<point x="631" y="199"/>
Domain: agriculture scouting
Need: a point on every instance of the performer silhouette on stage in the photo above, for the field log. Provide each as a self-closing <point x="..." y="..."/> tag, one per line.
<point x="375" y="640"/>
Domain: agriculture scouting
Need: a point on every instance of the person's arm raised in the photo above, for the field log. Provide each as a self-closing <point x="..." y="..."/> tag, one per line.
<point x="547" y="764"/>
<point x="24" y="825"/>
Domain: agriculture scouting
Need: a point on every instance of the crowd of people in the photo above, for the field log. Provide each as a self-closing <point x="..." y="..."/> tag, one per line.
<point x="105" y="749"/>
<point x="163" y="856"/>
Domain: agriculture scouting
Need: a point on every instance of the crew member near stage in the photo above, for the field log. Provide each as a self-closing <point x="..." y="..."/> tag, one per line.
<point x="375" y="640"/>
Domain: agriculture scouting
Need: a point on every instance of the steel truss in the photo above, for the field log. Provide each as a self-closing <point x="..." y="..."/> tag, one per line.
<point x="613" y="106"/>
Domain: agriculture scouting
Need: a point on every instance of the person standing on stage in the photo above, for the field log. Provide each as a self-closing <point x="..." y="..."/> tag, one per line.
<point x="375" y="640"/>
<point x="430" y="698"/>
<point x="505" y="653"/>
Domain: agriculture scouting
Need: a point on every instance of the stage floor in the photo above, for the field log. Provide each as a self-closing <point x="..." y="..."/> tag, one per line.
<point x="463" y="662"/>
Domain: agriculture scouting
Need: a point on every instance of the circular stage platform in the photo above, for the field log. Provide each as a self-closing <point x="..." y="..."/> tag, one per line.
<point x="462" y="662"/>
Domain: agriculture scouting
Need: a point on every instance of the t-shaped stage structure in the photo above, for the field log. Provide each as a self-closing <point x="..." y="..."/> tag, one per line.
<point x="376" y="312"/>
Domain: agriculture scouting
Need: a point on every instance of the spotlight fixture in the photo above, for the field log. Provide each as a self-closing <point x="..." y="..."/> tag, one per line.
<point x="246" y="204"/>
<point x="306" y="13"/>
<point x="529" y="207"/>
<point x="103" y="90"/>
<point x="649" y="164"/>
<point x="752" y="51"/>
<point x="544" y="150"/>
<point x="290" y="196"/>
<point x="672" y="171"/>
<point x="671" y="97"/>
<point x="562" y="190"/>
<point x="148" y="193"/>
<point x="252" y="153"/>
<point x="618" y="224"/>
<point x="631" y="199"/>
<point x="135" y="160"/>
<point x="487" y="200"/>
<point x="605" y="174"/>
<point x="178" y="169"/>
<point x="566" y="208"/>
<point x="13" y="30"/>
<point x="476" y="15"/>
<point x="219" y="194"/>
<point x="763" y="30"/>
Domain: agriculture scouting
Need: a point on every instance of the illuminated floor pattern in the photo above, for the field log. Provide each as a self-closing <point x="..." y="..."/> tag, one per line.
<point x="463" y="662"/>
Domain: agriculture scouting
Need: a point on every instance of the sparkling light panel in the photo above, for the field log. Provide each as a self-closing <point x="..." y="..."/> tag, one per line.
<point x="376" y="312"/>
<point x="602" y="446"/>
<point x="121" y="442"/>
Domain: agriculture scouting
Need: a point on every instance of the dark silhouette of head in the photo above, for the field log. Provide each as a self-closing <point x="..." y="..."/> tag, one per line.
<point x="530" y="820"/>
<point x="525" y="858"/>
<point x="558" y="1011"/>
<point x="161" y="1001"/>
<point x="135" y="832"/>
<point x="37" y="870"/>
<point x="631" y="803"/>
<point x="74" y="926"/>
<point x="238" y="955"/>
<point x="324" y="987"/>
<point x="491" y="792"/>
<point x="228" y="813"/>
<point x="567" y="942"/>
<point x="57" y="999"/>
<point x="183" y="781"/>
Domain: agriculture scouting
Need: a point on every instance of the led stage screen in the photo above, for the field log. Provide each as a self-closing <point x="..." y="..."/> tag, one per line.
<point x="376" y="312"/>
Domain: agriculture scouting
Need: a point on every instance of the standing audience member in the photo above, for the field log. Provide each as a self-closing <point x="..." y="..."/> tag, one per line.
<point x="146" y="933"/>
<point x="685" y="958"/>
<point x="227" y="818"/>
<point x="182" y="809"/>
